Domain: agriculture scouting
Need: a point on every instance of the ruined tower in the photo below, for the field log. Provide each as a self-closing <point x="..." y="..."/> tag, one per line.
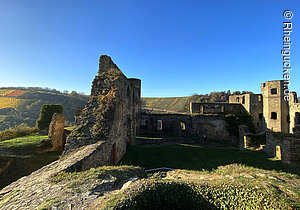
<point x="253" y="103"/>
<point x="275" y="108"/>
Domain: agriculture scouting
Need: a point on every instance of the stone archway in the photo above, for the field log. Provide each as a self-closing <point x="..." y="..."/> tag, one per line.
<point x="278" y="152"/>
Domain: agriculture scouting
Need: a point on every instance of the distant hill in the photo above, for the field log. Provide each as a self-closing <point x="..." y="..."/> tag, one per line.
<point x="181" y="104"/>
<point x="22" y="105"/>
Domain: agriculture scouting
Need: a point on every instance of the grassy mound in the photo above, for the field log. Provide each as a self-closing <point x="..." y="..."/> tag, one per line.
<point x="154" y="194"/>
<point x="230" y="187"/>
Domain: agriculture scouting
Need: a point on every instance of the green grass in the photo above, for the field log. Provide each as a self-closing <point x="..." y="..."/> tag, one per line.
<point x="200" y="156"/>
<point x="22" y="145"/>
<point x="210" y="176"/>
<point x="233" y="186"/>
<point x="18" y="157"/>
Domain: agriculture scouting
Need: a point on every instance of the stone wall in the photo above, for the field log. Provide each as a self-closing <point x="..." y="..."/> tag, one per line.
<point x="243" y="137"/>
<point x="250" y="140"/>
<point x="56" y="132"/>
<point x="216" y="108"/>
<point x="109" y="119"/>
<point x="286" y="148"/>
<point x="294" y="113"/>
<point x="294" y="117"/>
<point x="211" y="127"/>
<point x="205" y="127"/>
<point x="243" y="99"/>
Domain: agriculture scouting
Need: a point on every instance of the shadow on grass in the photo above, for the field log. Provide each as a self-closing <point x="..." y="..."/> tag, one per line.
<point x="166" y="195"/>
<point x="201" y="156"/>
<point x="16" y="167"/>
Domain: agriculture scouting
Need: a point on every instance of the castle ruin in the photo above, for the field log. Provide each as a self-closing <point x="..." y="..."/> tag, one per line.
<point x="269" y="109"/>
<point x="112" y="117"/>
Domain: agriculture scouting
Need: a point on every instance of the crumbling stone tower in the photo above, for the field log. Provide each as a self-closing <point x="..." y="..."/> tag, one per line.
<point x="275" y="108"/>
<point x="253" y="103"/>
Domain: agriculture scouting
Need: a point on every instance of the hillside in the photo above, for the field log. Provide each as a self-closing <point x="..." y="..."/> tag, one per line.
<point x="172" y="104"/>
<point x="22" y="105"/>
<point x="181" y="104"/>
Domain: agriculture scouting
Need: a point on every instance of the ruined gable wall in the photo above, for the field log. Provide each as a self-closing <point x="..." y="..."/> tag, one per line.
<point x="108" y="117"/>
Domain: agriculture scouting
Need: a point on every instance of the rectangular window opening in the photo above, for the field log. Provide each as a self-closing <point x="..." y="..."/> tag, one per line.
<point x="274" y="115"/>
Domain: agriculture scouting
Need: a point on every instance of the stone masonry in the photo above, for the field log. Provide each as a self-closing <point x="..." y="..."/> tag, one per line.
<point x="269" y="110"/>
<point x="275" y="108"/>
<point x="253" y="104"/>
<point x="109" y="119"/>
<point x="56" y="132"/>
<point x="294" y="113"/>
<point x="203" y="127"/>
<point x="285" y="148"/>
<point x="216" y="108"/>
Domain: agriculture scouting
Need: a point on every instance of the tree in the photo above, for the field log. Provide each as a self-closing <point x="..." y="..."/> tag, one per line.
<point x="236" y="93"/>
<point x="46" y="113"/>
<point x="74" y="94"/>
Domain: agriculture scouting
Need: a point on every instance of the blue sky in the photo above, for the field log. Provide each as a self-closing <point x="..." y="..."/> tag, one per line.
<point x="176" y="48"/>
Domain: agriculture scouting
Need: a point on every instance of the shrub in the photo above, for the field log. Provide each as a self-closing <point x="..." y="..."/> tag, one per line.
<point x="46" y="114"/>
<point x="167" y="194"/>
<point x="17" y="131"/>
<point x="235" y="120"/>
